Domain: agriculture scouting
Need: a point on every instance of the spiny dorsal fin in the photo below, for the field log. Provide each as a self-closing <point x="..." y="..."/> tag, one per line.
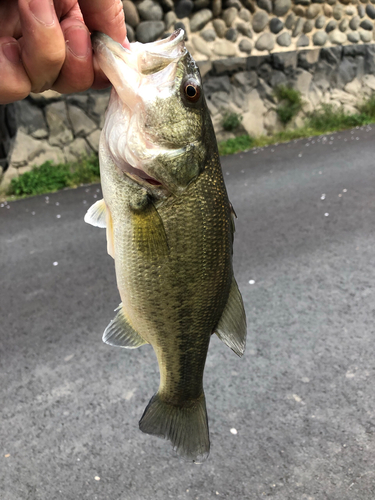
<point x="96" y="214"/>
<point x="231" y="328"/>
<point x="119" y="333"/>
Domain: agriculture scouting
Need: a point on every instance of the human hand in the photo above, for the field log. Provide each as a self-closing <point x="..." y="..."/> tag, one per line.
<point x="45" y="44"/>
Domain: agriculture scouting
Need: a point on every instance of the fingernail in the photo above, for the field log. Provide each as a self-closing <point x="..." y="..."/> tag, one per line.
<point x="12" y="52"/>
<point x="78" y="41"/>
<point x="43" y="11"/>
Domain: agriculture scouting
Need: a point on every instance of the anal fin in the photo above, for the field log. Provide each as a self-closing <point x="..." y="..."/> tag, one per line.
<point x="231" y="328"/>
<point x="119" y="333"/>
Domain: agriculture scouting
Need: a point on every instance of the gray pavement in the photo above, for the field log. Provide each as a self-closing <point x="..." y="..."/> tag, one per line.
<point x="302" y="399"/>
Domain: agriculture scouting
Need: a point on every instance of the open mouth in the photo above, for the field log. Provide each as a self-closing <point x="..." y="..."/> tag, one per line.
<point x="139" y="74"/>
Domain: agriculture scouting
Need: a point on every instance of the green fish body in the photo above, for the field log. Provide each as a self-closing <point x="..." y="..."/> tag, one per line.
<point x="169" y="229"/>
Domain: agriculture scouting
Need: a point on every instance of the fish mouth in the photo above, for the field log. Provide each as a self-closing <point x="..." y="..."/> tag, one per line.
<point x="139" y="73"/>
<point x="125" y="67"/>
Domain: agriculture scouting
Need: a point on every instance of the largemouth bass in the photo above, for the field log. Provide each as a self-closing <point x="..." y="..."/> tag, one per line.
<point x="169" y="229"/>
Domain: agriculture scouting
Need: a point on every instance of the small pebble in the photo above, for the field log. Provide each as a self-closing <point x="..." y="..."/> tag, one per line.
<point x="251" y="282"/>
<point x="233" y="431"/>
<point x="58" y="216"/>
<point x="55" y="263"/>
<point x="326" y="214"/>
<point x="97" y="478"/>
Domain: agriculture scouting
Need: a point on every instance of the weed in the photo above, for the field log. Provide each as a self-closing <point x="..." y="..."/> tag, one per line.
<point x="290" y="103"/>
<point x="326" y="119"/>
<point x="49" y="177"/>
<point x="329" y="118"/>
<point x="231" y="146"/>
<point x="231" y="121"/>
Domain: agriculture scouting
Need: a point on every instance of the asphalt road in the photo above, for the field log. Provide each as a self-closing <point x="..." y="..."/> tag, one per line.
<point x="294" y="419"/>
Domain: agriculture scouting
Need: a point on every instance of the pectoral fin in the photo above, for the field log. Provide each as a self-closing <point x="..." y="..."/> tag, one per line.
<point x="119" y="333"/>
<point x="149" y="233"/>
<point x="96" y="214"/>
<point x="231" y="328"/>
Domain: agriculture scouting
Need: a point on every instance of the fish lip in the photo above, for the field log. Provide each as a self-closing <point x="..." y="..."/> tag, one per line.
<point x="111" y="54"/>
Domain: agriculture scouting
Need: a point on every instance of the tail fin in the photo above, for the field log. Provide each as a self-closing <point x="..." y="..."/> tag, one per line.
<point x="185" y="427"/>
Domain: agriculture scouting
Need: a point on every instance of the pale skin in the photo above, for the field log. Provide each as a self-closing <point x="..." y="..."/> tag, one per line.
<point x="45" y="44"/>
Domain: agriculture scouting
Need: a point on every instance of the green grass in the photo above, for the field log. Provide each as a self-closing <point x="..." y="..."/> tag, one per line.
<point x="290" y="103"/>
<point x="231" y="121"/>
<point x="324" y="120"/>
<point x="50" y="177"/>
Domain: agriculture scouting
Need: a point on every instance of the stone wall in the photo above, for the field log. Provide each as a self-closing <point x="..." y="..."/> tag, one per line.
<point x="244" y="49"/>
<point x="339" y="76"/>
<point x="54" y="127"/>
<point x="229" y="28"/>
<point x="60" y="128"/>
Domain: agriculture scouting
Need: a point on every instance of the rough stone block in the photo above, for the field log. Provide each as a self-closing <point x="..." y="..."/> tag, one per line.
<point x="204" y="67"/>
<point x="283" y="60"/>
<point x="30" y="119"/>
<point x="253" y="119"/>
<point x="81" y="123"/>
<point x="9" y="174"/>
<point x="308" y="58"/>
<point x="246" y="79"/>
<point x="229" y="66"/>
<point x="353" y="50"/>
<point x="302" y="81"/>
<point x="272" y="122"/>
<point x="331" y="54"/>
<point x="25" y="149"/>
<point x="79" y="147"/>
<point x="58" y="124"/>
<point x="254" y="62"/>
<point x="354" y="87"/>
<point x="93" y="140"/>
<point x="100" y="103"/>
<point x="217" y="84"/>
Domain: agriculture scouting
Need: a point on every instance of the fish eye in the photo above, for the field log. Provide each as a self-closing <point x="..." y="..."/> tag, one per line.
<point x="192" y="91"/>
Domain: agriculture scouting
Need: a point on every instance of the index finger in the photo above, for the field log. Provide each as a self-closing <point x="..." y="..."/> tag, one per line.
<point x="106" y="16"/>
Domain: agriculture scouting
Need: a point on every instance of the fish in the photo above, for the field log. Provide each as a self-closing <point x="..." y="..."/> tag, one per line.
<point x="169" y="227"/>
